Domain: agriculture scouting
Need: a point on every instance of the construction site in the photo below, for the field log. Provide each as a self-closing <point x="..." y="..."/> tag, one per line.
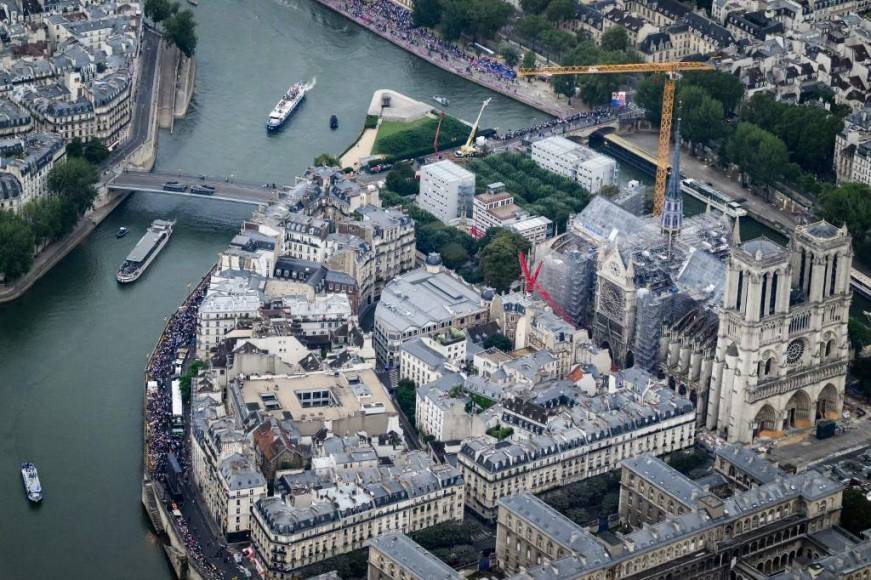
<point x="658" y="285"/>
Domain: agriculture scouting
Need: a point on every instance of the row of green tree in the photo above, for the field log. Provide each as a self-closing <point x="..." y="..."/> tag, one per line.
<point x="769" y="141"/>
<point x="476" y="19"/>
<point x="536" y="190"/>
<point x="178" y="25"/>
<point x="46" y="219"/>
<point x="539" y="27"/>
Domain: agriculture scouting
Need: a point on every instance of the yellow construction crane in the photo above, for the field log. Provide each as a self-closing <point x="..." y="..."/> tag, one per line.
<point x="672" y="71"/>
<point x="469" y="149"/>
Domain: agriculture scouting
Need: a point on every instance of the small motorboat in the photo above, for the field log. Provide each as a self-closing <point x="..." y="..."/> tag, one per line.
<point x="31" y="482"/>
<point x="334" y="122"/>
<point x="122" y="231"/>
<point x="441" y="100"/>
<point x="194" y="2"/>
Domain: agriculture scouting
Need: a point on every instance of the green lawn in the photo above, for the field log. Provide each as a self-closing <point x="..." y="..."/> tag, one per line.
<point x="396" y="140"/>
<point x="389" y="128"/>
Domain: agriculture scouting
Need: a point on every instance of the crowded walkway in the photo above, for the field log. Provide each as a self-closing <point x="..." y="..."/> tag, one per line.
<point x="180" y="332"/>
<point x="396" y="24"/>
<point x="562" y="125"/>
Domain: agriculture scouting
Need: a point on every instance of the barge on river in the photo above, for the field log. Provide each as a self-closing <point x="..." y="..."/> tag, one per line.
<point x="145" y="252"/>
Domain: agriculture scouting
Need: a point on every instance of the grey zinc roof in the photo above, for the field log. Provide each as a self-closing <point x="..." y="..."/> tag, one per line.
<point x="665" y="477"/>
<point x="763" y="248"/>
<point x="413" y="557"/>
<point x="11" y="115"/>
<point x="420" y="299"/>
<point x="240" y="473"/>
<point x="852" y="560"/>
<point x="418" y="349"/>
<point x="384" y="218"/>
<point x="10" y="187"/>
<point x="568" y="568"/>
<point x="747" y="461"/>
<point x="822" y="230"/>
<point x="557" y="527"/>
<point x="109" y="88"/>
<point x="594" y="418"/>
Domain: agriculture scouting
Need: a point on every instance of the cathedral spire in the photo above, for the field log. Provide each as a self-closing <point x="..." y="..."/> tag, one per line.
<point x="671" y="219"/>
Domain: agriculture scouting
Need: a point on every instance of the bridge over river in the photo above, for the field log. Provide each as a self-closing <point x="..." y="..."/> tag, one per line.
<point x="226" y="188"/>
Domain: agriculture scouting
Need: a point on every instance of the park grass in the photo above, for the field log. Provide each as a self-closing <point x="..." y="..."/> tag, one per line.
<point x="389" y="128"/>
<point x="398" y="140"/>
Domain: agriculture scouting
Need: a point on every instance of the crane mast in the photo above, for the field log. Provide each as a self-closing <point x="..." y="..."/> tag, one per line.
<point x="469" y="149"/>
<point x="672" y="71"/>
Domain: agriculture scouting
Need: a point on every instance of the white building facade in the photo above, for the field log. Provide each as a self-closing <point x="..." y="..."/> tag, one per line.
<point x="574" y="161"/>
<point x="446" y="190"/>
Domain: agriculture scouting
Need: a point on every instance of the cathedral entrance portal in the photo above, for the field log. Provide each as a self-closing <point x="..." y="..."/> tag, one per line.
<point x="827" y="404"/>
<point x="798" y="412"/>
<point x="766" y="420"/>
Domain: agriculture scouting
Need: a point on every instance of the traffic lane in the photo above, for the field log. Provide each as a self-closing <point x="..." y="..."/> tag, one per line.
<point x="157" y="181"/>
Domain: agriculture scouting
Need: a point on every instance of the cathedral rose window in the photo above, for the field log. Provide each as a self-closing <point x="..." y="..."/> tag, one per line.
<point x="794" y="351"/>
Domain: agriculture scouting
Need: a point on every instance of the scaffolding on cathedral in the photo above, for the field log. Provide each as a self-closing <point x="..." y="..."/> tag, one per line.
<point x="668" y="284"/>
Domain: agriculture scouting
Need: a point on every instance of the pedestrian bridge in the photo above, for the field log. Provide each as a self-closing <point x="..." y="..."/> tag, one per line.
<point x="226" y="189"/>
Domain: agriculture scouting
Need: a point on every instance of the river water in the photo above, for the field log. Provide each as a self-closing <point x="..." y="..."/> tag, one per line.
<point x="72" y="351"/>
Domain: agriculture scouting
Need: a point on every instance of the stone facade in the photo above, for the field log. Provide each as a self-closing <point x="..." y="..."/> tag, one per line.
<point x="782" y="346"/>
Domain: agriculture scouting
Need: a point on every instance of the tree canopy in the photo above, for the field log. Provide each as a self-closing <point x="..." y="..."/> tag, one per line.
<point x="807" y="131"/>
<point x="401" y="179"/>
<point x="856" y="515"/>
<point x="615" y="38"/>
<point x="327" y="159"/>
<point x="47" y="218"/>
<point x="510" y="54"/>
<point x="718" y="85"/>
<point x="534" y="6"/>
<point x="702" y="118"/>
<point x="478" y="19"/>
<point x="760" y="154"/>
<point x="160" y="10"/>
<point x="529" y="60"/>
<point x="500" y="341"/>
<point x="427" y="13"/>
<point x="74" y="179"/>
<point x="498" y="259"/>
<point x="560" y="10"/>
<point x="535" y="189"/>
<point x="16" y="246"/>
<point x="597" y="89"/>
<point x="94" y="151"/>
<point x="180" y="29"/>
<point x="850" y="204"/>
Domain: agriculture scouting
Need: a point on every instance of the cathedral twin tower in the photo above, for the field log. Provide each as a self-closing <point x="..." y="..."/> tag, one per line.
<point x="782" y="346"/>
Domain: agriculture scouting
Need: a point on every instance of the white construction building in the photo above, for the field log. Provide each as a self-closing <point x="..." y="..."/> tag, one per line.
<point x="569" y="159"/>
<point x="446" y="190"/>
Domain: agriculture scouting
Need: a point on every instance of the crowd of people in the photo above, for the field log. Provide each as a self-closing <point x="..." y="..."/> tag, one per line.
<point x="179" y="332"/>
<point x="560" y="125"/>
<point x="397" y="22"/>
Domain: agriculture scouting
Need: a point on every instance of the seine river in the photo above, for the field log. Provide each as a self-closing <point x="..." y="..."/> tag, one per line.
<point x="72" y="351"/>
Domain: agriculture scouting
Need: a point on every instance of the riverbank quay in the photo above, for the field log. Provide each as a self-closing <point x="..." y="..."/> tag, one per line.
<point x="141" y="145"/>
<point x="57" y="251"/>
<point x="188" y="557"/>
<point x="424" y="44"/>
<point x="758" y="208"/>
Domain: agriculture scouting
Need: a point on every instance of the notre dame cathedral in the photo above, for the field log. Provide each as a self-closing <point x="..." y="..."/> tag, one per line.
<point x="782" y="348"/>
